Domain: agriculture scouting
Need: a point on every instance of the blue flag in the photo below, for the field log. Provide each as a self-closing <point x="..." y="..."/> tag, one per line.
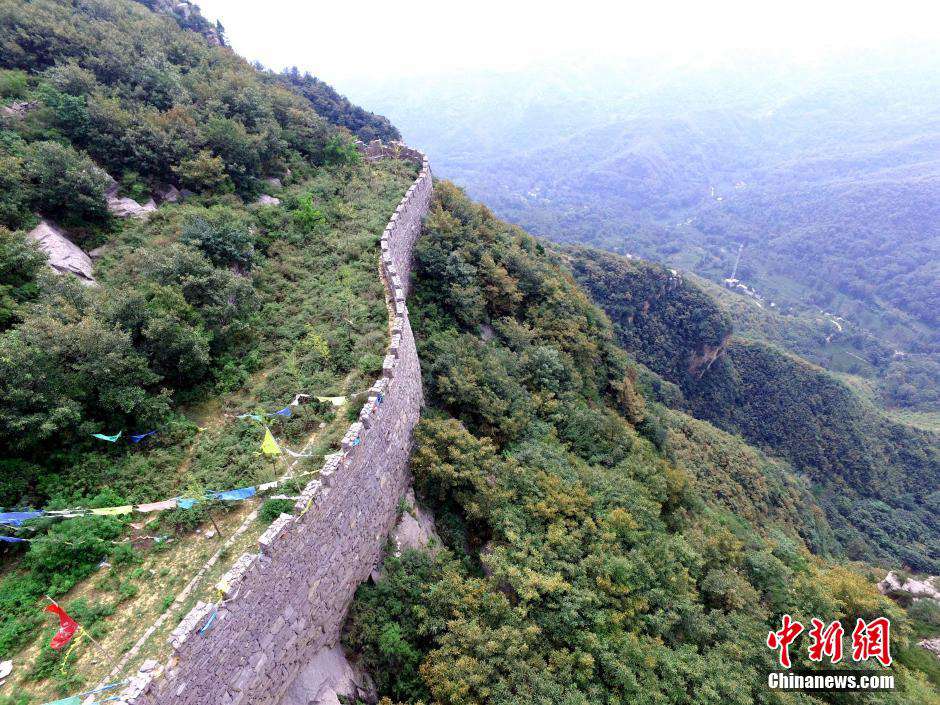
<point x="13" y="539"/>
<point x="109" y="439"/>
<point x="241" y="493"/>
<point x="186" y="503"/>
<point x="137" y="438"/>
<point x="17" y="518"/>
<point x="283" y="412"/>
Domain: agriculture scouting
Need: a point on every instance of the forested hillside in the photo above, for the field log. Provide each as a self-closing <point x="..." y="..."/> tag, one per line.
<point x="598" y="548"/>
<point x="234" y="233"/>
<point x="877" y="479"/>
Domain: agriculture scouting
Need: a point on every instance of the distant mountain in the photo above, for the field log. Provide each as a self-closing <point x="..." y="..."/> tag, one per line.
<point x="826" y="179"/>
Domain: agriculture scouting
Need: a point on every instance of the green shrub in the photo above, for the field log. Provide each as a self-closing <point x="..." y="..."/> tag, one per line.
<point x="222" y="235"/>
<point x="13" y="83"/>
<point x="64" y="184"/>
<point x="273" y="508"/>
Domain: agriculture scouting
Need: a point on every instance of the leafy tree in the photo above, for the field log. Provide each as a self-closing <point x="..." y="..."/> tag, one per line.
<point x="204" y="172"/>
<point x="20" y="262"/>
<point x="64" y="184"/>
<point x="66" y="375"/>
<point x="222" y="236"/>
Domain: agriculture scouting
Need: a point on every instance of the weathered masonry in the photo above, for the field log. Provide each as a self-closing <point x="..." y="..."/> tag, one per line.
<point x="289" y="600"/>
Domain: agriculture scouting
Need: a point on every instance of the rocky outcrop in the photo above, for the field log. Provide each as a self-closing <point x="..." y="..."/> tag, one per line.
<point x="702" y="359"/>
<point x="123" y="207"/>
<point x="18" y="108"/>
<point x="188" y="16"/>
<point x="328" y="677"/>
<point x="266" y="200"/>
<point x="894" y="585"/>
<point x="415" y="529"/>
<point x="65" y="257"/>
<point x="167" y="193"/>
<point x="932" y="645"/>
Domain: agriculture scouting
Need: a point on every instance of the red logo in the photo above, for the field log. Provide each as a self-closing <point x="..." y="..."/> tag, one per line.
<point x="871" y="641"/>
<point x="826" y="642"/>
<point x="782" y="639"/>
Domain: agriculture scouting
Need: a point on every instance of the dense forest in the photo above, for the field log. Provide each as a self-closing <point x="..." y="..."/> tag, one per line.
<point x="589" y="551"/>
<point x="877" y="479"/>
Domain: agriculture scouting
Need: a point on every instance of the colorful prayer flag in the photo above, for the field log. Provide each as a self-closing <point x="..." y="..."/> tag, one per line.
<point x="157" y="506"/>
<point x="295" y="454"/>
<point x="253" y="417"/>
<point x="71" y="700"/>
<point x="17" y="518"/>
<point x="242" y="493"/>
<point x="113" y="511"/>
<point x="109" y="439"/>
<point x="13" y="539"/>
<point x="186" y="502"/>
<point x="67" y="627"/>
<point x="137" y="438"/>
<point x="283" y="412"/>
<point x="269" y="446"/>
<point x="335" y="401"/>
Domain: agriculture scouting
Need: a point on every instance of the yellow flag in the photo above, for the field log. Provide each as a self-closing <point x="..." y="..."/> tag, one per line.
<point x="112" y="511"/>
<point x="335" y="401"/>
<point x="269" y="446"/>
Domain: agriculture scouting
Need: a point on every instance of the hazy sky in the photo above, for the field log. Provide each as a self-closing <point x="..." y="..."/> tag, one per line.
<point x="371" y="39"/>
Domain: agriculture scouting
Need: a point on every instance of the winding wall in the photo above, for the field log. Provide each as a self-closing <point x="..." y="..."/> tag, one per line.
<point x="289" y="600"/>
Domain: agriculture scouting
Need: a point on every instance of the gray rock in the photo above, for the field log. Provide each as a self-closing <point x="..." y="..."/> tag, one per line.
<point x="326" y="678"/>
<point x="932" y="645"/>
<point x="266" y="200"/>
<point x="167" y="193"/>
<point x="129" y="208"/>
<point x="273" y="182"/>
<point x="18" y="109"/>
<point x="415" y="529"/>
<point x="918" y="589"/>
<point x="65" y="257"/>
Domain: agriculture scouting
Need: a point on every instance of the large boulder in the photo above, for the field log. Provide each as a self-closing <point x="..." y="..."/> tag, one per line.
<point x="266" y="200"/>
<point x="128" y="207"/>
<point x="328" y="677"/>
<point x="167" y="193"/>
<point x="65" y="257"/>
<point x="932" y="645"/>
<point x="918" y="589"/>
<point x="415" y="529"/>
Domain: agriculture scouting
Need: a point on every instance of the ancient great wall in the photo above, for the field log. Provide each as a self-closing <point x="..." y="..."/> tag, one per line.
<point x="283" y="604"/>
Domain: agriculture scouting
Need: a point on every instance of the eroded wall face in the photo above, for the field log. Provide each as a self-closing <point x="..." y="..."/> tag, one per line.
<point x="290" y="599"/>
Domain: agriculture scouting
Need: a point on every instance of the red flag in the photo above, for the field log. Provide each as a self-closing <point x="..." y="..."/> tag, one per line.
<point x="67" y="627"/>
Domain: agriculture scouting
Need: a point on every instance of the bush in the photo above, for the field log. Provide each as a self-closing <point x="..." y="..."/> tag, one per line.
<point x="204" y="172"/>
<point x="222" y="236"/>
<point x="273" y="508"/>
<point x="20" y="262"/>
<point x="13" y="83"/>
<point x="64" y="184"/>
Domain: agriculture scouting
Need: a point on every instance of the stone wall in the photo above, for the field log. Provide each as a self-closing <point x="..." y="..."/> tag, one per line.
<point x="289" y="600"/>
